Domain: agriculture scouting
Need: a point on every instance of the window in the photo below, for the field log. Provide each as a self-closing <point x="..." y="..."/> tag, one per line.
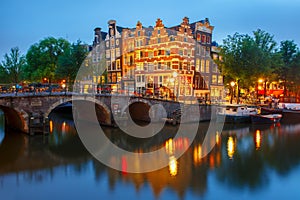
<point x="198" y="36"/>
<point x="118" y="52"/>
<point x="202" y="65"/>
<point x="158" y="40"/>
<point x="108" y="65"/>
<point x="160" y="52"/>
<point x="189" y="52"/>
<point x="159" y="66"/>
<point x="197" y="64"/>
<point x="207" y="66"/>
<point x="214" y="79"/>
<point x="180" y="65"/>
<point x="180" y="52"/>
<point x="155" y="66"/>
<point x="168" y="65"/>
<point x="139" y="33"/>
<point x="113" y="65"/>
<point x="185" y="39"/>
<point x="138" y="55"/>
<point x="158" y="31"/>
<point x="112" y="42"/>
<point x="189" y="66"/>
<point x="168" y="52"/>
<point x="203" y="39"/>
<point x="113" y="54"/>
<point x="150" y="54"/>
<point x="220" y="79"/>
<point x="118" y="65"/>
<point x="114" y="78"/>
<point x="145" y="66"/>
<point x="150" y="67"/>
<point x="107" y="54"/>
<point x="208" y="39"/>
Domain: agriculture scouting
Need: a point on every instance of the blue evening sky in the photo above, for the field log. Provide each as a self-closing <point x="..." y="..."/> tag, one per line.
<point x="25" y="22"/>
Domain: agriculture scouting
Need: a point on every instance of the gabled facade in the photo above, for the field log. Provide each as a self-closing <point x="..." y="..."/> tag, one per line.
<point x="113" y="45"/>
<point x="169" y="63"/>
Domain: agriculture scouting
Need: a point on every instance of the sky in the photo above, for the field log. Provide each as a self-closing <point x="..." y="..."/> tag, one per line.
<point x="26" y="22"/>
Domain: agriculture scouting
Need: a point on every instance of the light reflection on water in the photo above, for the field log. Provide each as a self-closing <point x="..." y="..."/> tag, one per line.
<point x="247" y="162"/>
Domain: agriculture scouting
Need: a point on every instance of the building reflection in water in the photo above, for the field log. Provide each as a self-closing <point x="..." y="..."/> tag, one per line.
<point x="257" y="139"/>
<point x="231" y="145"/>
<point x="173" y="166"/>
<point x="245" y="168"/>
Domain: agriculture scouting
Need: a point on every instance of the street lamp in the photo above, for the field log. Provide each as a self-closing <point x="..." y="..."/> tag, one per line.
<point x="175" y="74"/>
<point x="232" y="84"/>
<point x="64" y="87"/>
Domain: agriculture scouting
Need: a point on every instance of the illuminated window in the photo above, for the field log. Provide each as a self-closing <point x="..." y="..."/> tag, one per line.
<point x="202" y="65"/>
<point x="203" y="39"/>
<point x="220" y="79"/>
<point x="118" y="65"/>
<point x="168" y="65"/>
<point x="214" y="79"/>
<point x="207" y="66"/>
<point x="197" y="64"/>
<point x="198" y="36"/>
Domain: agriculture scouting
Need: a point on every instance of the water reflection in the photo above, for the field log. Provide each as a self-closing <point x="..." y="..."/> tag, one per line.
<point x="244" y="157"/>
<point x="2" y="128"/>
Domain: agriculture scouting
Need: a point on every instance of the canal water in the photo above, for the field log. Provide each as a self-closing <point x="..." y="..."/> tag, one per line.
<point x="247" y="162"/>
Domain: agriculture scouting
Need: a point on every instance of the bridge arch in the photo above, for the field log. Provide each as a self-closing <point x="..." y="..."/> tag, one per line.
<point x="15" y="118"/>
<point x="102" y="111"/>
<point x="138" y="109"/>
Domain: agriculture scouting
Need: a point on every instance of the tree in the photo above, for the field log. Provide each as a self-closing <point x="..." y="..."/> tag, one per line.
<point x="246" y="58"/>
<point x="268" y="59"/>
<point x="288" y="54"/>
<point x="13" y="65"/>
<point x="42" y="58"/>
<point x="238" y="53"/>
<point x="70" y="62"/>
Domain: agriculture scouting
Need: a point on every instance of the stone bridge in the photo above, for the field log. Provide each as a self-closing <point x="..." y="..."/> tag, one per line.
<point x="19" y="110"/>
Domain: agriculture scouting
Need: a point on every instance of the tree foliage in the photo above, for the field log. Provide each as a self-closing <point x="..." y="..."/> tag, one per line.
<point x="70" y="62"/>
<point x="247" y="58"/>
<point x="42" y="58"/>
<point x="12" y="66"/>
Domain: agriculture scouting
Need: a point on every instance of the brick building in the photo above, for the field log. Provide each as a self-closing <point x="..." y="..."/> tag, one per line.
<point x="159" y="61"/>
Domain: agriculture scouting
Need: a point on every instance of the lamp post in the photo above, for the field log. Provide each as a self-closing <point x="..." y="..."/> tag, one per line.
<point x="232" y="84"/>
<point x="64" y="87"/>
<point x="175" y="74"/>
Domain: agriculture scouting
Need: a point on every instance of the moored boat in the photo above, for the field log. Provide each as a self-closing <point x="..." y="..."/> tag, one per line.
<point x="266" y="110"/>
<point x="235" y="113"/>
<point x="291" y="116"/>
<point x="265" y="119"/>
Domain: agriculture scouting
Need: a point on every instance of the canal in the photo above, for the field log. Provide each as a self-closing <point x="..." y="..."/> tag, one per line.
<point x="247" y="162"/>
